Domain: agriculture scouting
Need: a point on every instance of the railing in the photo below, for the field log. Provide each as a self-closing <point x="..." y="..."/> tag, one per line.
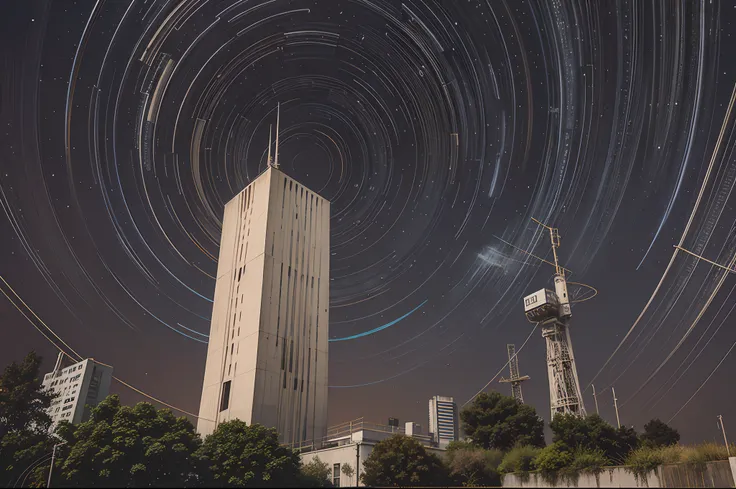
<point x="342" y="433"/>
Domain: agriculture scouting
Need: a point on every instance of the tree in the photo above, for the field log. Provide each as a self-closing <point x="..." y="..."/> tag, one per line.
<point x="348" y="471"/>
<point x="402" y="461"/>
<point x="593" y="433"/>
<point x="237" y="454"/>
<point x="122" y="446"/>
<point x="659" y="434"/>
<point x="316" y="474"/>
<point x="24" y="422"/>
<point x="472" y="466"/>
<point x="497" y="421"/>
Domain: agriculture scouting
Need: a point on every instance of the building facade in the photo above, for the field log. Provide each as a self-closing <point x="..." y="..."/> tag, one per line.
<point x="350" y="444"/>
<point x="77" y="388"/>
<point x="443" y="420"/>
<point x="268" y="344"/>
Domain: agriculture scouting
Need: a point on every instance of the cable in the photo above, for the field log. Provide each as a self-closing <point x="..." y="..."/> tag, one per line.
<point x="703" y="384"/>
<point x="79" y="357"/>
<point x="502" y="368"/>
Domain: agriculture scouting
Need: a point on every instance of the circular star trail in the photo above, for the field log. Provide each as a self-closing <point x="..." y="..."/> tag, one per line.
<point x="437" y="129"/>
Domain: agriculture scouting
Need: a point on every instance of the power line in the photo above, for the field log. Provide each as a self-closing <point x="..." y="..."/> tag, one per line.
<point x="80" y="357"/>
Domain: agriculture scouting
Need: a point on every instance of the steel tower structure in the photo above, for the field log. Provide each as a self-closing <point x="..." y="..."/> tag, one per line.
<point x="515" y="379"/>
<point x="552" y="311"/>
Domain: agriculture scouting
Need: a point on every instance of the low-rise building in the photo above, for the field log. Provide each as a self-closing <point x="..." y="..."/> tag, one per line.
<point x="351" y="444"/>
<point x="78" y="387"/>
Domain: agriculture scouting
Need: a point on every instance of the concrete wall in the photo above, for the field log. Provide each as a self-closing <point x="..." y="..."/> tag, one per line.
<point x="346" y="454"/>
<point x="714" y="474"/>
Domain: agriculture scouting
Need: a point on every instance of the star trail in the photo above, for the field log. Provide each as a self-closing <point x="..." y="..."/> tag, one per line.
<point x="437" y="129"/>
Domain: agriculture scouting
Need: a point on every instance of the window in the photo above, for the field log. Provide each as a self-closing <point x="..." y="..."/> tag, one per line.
<point x="225" y="401"/>
<point x="336" y="475"/>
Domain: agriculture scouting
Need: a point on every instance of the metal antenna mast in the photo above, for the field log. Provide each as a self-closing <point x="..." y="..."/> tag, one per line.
<point x="552" y="310"/>
<point x="515" y="379"/>
<point x="270" y="130"/>
<point x="278" y="119"/>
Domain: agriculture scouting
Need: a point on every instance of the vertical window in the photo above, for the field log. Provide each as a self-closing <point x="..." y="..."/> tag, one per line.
<point x="225" y="401"/>
<point x="291" y="356"/>
<point x="336" y="475"/>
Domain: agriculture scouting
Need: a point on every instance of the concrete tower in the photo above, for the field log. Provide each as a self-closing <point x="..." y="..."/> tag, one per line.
<point x="267" y="352"/>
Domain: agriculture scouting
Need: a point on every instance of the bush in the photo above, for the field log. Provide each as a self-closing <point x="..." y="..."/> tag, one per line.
<point x="403" y="461"/>
<point x="553" y="458"/>
<point x="519" y="459"/>
<point x="593" y="433"/>
<point x="706" y="452"/>
<point x="646" y="459"/>
<point x="474" y="466"/>
<point x="588" y="460"/>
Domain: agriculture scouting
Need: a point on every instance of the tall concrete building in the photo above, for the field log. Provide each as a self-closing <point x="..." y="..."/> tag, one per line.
<point x="268" y="344"/>
<point x="443" y="420"/>
<point x="78" y="388"/>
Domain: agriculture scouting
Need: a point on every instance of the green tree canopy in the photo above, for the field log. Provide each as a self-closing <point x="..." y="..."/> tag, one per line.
<point x="593" y="433"/>
<point x="497" y="421"/>
<point x="659" y="434"/>
<point x="24" y="422"/>
<point x="122" y="446"/>
<point x="237" y="455"/>
<point x="403" y="461"/>
<point x="316" y="474"/>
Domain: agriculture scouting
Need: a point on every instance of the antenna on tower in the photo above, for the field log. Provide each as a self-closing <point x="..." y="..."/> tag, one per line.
<point x="553" y="311"/>
<point x="515" y="379"/>
<point x="270" y="130"/>
<point x="278" y="117"/>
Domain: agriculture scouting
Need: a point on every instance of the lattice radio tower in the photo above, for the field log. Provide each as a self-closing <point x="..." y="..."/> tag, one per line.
<point x="515" y="379"/>
<point x="551" y="309"/>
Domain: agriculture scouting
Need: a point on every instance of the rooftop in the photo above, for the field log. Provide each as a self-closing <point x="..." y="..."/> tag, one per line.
<point x="354" y="431"/>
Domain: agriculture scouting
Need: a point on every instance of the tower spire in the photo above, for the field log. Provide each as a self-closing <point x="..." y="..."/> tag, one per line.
<point x="278" y="117"/>
<point x="270" y="130"/>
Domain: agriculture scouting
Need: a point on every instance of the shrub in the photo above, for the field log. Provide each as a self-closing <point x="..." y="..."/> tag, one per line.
<point x="706" y="452"/>
<point x="553" y="458"/>
<point x="588" y="460"/>
<point x="474" y="466"/>
<point x="519" y="459"/>
<point x="646" y="459"/>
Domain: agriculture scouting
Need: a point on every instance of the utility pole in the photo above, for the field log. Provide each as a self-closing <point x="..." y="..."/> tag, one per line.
<point x="51" y="468"/>
<point x="615" y="406"/>
<point x="595" y="398"/>
<point x="357" y="464"/>
<point x="725" y="440"/>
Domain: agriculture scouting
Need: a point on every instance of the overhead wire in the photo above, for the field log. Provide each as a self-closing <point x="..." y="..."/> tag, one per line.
<point x="80" y="357"/>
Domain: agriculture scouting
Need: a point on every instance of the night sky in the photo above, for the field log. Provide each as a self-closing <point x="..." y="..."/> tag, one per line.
<point x="437" y="129"/>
